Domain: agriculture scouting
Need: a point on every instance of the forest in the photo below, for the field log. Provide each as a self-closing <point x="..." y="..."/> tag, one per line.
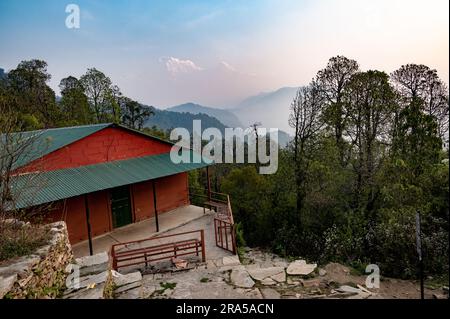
<point x="370" y="151"/>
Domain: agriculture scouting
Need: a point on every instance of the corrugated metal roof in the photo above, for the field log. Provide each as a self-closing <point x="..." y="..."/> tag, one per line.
<point x="36" y="189"/>
<point x="46" y="141"/>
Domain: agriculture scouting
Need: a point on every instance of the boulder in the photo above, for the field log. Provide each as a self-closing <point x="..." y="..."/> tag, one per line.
<point x="241" y="278"/>
<point x="300" y="267"/>
<point x="262" y="273"/>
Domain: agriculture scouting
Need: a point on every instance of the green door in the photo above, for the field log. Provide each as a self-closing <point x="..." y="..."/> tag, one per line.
<point x="121" y="206"/>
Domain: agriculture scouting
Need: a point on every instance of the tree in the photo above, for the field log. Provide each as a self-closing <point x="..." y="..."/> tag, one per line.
<point x="74" y="103"/>
<point x="369" y="103"/>
<point x="29" y="93"/>
<point x="134" y="115"/>
<point x="332" y="82"/>
<point x="419" y="81"/>
<point x="305" y="119"/>
<point x="97" y="88"/>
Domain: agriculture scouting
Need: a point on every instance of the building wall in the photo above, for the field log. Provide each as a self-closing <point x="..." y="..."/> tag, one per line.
<point x="171" y="192"/>
<point x="109" y="144"/>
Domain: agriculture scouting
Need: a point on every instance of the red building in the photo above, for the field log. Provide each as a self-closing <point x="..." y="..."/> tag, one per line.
<point x="100" y="177"/>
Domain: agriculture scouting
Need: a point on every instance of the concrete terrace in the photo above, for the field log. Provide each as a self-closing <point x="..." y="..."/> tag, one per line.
<point x="182" y="219"/>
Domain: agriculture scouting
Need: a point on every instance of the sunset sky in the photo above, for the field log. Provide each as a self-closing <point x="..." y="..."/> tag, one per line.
<point x="216" y="53"/>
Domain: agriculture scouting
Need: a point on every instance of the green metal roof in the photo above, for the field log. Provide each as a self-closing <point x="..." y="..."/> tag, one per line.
<point x="46" y="141"/>
<point x="40" y="188"/>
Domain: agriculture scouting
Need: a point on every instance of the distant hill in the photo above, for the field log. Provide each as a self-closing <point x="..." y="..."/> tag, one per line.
<point x="168" y="120"/>
<point x="2" y="73"/>
<point x="271" y="109"/>
<point x="226" y="117"/>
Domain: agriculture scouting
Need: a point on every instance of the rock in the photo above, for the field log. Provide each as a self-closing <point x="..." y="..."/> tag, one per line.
<point x="269" y="293"/>
<point x="128" y="287"/>
<point x="254" y="294"/>
<point x="349" y="289"/>
<point x="94" y="293"/>
<point x="363" y="289"/>
<point x="300" y="267"/>
<point x="19" y="266"/>
<point x="230" y="261"/>
<point x="89" y="280"/>
<point x="268" y="282"/>
<point x="241" y="278"/>
<point x="322" y="272"/>
<point x="228" y="268"/>
<point x="148" y="290"/>
<point x="93" y="264"/>
<point x="130" y="294"/>
<point x="262" y="273"/>
<point x="439" y="296"/>
<point x="311" y="283"/>
<point x="210" y="264"/>
<point x="122" y="280"/>
<point x="6" y="284"/>
<point x="281" y="277"/>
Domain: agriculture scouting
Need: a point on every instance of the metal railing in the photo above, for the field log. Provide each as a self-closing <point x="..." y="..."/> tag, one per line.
<point x="224" y="227"/>
<point x="140" y="252"/>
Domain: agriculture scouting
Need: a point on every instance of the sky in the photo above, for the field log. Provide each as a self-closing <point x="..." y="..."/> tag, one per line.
<point x="218" y="52"/>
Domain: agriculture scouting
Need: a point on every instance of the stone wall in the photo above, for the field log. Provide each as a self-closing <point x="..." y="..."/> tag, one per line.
<point x="42" y="274"/>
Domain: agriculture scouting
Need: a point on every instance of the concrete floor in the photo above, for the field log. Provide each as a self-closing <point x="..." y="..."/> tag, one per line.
<point x="182" y="219"/>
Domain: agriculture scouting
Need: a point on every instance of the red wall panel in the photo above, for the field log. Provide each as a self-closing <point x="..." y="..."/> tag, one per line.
<point x="109" y="144"/>
<point x="171" y="192"/>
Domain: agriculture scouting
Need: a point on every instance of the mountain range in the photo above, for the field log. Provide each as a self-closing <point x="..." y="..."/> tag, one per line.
<point x="271" y="109"/>
<point x="228" y="118"/>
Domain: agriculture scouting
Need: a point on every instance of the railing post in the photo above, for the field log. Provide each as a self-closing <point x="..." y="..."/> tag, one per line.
<point x="202" y="237"/>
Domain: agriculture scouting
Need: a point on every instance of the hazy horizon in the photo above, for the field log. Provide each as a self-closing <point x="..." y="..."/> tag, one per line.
<point x="219" y="53"/>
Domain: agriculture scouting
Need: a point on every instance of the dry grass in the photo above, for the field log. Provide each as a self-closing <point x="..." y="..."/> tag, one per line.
<point x="19" y="240"/>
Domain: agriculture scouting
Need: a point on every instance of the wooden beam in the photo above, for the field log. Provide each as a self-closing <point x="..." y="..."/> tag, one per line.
<point x="154" y="205"/>
<point x="208" y="180"/>
<point x="86" y="205"/>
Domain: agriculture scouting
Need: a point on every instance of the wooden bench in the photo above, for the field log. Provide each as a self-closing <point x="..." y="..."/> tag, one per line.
<point x="127" y="256"/>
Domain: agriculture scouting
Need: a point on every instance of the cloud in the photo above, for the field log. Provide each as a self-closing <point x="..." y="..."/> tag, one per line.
<point x="228" y="66"/>
<point x="175" y="66"/>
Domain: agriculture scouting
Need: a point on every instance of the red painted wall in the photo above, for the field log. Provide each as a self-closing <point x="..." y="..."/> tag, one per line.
<point x="171" y="192"/>
<point x="109" y="144"/>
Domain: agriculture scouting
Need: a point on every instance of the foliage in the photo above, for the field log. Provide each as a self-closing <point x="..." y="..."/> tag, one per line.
<point x="350" y="191"/>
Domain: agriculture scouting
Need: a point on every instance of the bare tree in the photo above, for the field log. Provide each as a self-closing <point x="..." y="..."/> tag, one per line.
<point x="305" y="119"/>
<point x="17" y="188"/>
